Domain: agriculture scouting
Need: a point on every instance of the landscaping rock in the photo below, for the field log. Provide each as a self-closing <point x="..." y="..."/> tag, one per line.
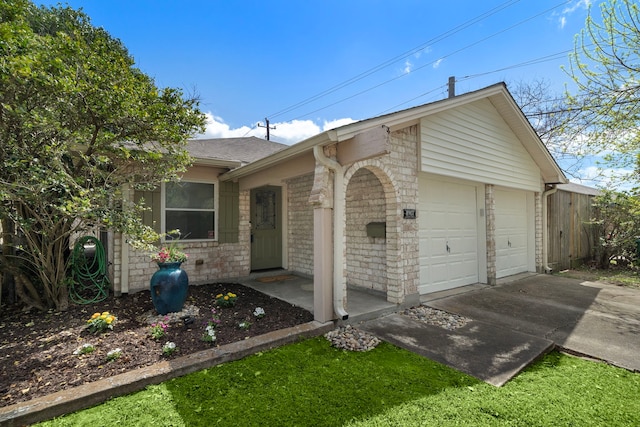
<point x="352" y="339"/>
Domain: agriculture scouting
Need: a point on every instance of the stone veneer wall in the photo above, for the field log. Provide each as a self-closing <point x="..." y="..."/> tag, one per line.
<point x="219" y="261"/>
<point x="397" y="174"/>
<point x="300" y="224"/>
<point x="366" y="256"/>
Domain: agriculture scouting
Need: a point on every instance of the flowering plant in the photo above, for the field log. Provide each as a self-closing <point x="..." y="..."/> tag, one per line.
<point x="244" y="325"/>
<point x="100" y="322"/>
<point x="114" y="354"/>
<point x="159" y="329"/>
<point x="170" y="252"/>
<point x="226" y="300"/>
<point x="169" y="348"/>
<point x="259" y="312"/>
<point x="210" y="328"/>
<point x="85" y="349"/>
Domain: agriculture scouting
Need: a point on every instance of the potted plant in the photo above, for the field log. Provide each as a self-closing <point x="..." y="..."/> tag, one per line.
<point x="170" y="283"/>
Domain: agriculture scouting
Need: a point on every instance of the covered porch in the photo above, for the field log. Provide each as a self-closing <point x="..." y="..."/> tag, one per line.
<point x="297" y="290"/>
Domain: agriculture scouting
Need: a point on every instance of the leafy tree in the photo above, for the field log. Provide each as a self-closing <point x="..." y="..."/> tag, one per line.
<point x="617" y="226"/>
<point x="548" y="113"/>
<point x="605" y="66"/>
<point x="79" y="124"/>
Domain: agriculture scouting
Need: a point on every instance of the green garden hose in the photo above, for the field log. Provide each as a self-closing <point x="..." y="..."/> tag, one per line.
<point x="89" y="272"/>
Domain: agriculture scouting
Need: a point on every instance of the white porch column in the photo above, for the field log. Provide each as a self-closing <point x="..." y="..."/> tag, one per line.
<point x="321" y="199"/>
<point x="322" y="264"/>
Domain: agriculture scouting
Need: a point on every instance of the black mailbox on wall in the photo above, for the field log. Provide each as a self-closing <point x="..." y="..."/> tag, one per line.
<point x="377" y="229"/>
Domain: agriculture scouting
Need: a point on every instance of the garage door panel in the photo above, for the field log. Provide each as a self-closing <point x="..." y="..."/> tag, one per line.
<point x="512" y="241"/>
<point x="448" y="235"/>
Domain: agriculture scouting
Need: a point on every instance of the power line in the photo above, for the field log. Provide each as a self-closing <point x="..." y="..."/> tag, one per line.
<point x="424" y="65"/>
<point x="396" y="58"/>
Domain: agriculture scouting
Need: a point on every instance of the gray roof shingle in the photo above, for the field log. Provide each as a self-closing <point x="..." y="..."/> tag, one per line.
<point x="244" y="150"/>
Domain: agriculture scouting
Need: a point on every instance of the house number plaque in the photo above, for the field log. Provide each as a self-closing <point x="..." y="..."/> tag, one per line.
<point x="409" y="213"/>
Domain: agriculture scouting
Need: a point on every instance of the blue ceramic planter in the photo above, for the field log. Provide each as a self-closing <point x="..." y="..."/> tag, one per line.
<point x="169" y="287"/>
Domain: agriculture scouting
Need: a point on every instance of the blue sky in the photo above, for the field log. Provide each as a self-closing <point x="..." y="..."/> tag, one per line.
<point x="311" y="65"/>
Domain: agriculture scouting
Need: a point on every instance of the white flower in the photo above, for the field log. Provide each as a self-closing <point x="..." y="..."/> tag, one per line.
<point x="259" y="312"/>
<point x="211" y="331"/>
<point x="169" y="346"/>
<point x="114" y="354"/>
<point x="84" y="348"/>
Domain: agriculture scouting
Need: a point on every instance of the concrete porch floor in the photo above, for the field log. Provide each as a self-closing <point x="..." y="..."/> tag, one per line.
<point x="362" y="304"/>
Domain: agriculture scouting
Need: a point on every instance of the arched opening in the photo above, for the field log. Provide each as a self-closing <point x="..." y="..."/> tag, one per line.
<point x="371" y="235"/>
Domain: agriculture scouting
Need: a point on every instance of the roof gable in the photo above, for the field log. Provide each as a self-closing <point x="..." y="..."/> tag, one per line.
<point x="497" y="94"/>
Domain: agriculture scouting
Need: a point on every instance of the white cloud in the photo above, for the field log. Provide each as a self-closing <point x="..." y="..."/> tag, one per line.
<point x="574" y="6"/>
<point x="563" y="21"/>
<point x="294" y="131"/>
<point x="437" y="63"/>
<point x="217" y="128"/>
<point x="336" y="123"/>
<point x="595" y="176"/>
<point x="408" y="66"/>
<point x="285" y="132"/>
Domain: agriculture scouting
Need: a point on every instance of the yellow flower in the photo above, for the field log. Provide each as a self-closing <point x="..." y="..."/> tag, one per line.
<point x="106" y="313"/>
<point x="109" y="320"/>
<point x="232" y="295"/>
<point x="95" y="315"/>
<point x="103" y="316"/>
<point x="219" y="296"/>
<point x="226" y="298"/>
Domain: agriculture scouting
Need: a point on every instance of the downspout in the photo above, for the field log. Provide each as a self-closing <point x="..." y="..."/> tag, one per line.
<point x="338" y="232"/>
<point x="545" y="230"/>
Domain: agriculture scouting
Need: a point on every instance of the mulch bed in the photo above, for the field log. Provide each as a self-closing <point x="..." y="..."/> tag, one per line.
<point x="37" y="349"/>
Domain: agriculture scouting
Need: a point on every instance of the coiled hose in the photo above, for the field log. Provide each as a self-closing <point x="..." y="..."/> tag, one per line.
<point x="90" y="282"/>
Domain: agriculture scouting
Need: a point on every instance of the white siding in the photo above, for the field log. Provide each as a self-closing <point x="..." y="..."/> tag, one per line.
<point x="473" y="142"/>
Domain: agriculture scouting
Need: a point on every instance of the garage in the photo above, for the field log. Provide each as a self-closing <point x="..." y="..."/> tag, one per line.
<point x="513" y="240"/>
<point x="448" y="233"/>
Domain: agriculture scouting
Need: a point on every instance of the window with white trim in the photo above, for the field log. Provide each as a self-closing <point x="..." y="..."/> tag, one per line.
<point x="190" y="208"/>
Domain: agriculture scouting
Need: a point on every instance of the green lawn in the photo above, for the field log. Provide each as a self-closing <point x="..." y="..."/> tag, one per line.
<point x="312" y="384"/>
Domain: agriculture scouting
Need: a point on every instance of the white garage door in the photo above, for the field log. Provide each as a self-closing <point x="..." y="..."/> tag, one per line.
<point x="448" y="235"/>
<point x="512" y="233"/>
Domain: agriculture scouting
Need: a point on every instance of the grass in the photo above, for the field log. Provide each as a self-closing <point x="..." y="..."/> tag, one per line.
<point x="312" y="384"/>
<point x="626" y="277"/>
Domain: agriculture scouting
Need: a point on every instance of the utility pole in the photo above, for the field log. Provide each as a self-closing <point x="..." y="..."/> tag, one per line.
<point x="452" y="87"/>
<point x="266" y="126"/>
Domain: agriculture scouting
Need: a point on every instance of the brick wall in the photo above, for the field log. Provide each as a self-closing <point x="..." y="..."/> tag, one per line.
<point x="366" y="256"/>
<point x="300" y="224"/>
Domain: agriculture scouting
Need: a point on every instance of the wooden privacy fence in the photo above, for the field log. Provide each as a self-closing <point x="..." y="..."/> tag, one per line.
<point x="571" y="237"/>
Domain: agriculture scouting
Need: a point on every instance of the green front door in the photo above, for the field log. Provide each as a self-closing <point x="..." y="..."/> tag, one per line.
<point x="266" y="228"/>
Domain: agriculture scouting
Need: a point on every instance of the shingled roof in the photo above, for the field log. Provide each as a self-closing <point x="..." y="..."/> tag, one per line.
<point x="242" y="150"/>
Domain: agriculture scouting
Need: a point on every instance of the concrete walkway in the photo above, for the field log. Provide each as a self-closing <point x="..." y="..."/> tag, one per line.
<point x="514" y="323"/>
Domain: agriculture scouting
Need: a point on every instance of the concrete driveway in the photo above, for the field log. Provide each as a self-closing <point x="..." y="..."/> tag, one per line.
<point x="515" y="322"/>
